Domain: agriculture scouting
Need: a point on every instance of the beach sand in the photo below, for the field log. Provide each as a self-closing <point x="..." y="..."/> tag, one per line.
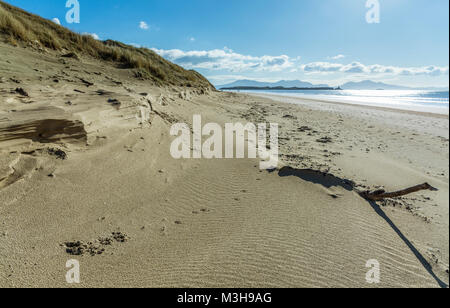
<point x="77" y="166"/>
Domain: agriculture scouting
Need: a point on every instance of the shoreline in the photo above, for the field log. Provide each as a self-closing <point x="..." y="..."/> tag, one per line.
<point x="300" y="99"/>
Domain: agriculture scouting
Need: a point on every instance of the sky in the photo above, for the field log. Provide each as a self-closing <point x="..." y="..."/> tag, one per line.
<point x="326" y="41"/>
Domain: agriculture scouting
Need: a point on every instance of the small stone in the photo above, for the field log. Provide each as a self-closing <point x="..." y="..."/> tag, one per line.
<point x="114" y="102"/>
<point x="60" y="154"/>
<point x="70" y="55"/>
<point x="21" y="91"/>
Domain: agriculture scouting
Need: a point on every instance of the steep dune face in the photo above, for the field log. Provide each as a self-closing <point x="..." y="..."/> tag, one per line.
<point x="61" y="88"/>
<point x="45" y="131"/>
<point x="48" y="100"/>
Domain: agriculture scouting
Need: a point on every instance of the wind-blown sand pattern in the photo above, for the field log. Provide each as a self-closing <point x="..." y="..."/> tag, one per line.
<point x="85" y="157"/>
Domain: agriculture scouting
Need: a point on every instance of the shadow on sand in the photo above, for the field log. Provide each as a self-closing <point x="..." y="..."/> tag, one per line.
<point x="325" y="179"/>
<point x="414" y="250"/>
<point x="328" y="180"/>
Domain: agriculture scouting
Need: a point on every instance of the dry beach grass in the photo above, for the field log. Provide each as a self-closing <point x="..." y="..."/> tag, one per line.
<point x="19" y="27"/>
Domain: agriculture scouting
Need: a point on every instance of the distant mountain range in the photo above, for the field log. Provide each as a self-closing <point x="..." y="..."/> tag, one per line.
<point x="371" y="85"/>
<point x="361" y="85"/>
<point x="282" y="83"/>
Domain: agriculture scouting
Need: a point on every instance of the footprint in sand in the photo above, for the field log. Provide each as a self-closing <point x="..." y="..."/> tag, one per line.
<point x="97" y="247"/>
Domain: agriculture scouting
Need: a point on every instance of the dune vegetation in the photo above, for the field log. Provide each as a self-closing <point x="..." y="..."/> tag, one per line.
<point x="18" y="27"/>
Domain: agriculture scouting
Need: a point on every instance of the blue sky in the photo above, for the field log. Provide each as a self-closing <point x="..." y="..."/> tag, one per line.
<point x="326" y="41"/>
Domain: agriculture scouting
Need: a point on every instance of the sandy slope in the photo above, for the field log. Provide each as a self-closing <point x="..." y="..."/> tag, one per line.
<point x="206" y="223"/>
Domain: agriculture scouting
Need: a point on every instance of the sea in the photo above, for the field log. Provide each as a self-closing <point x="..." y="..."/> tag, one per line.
<point x="411" y="100"/>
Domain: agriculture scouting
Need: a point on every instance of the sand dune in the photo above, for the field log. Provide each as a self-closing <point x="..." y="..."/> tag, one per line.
<point x="144" y="219"/>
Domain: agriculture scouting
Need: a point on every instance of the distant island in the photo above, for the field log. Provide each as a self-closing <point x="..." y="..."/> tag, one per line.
<point x="281" y="89"/>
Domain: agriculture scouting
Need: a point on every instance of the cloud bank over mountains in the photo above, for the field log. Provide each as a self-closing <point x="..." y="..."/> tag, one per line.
<point x="228" y="60"/>
<point x="359" y="68"/>
<point x="225" y="65"/>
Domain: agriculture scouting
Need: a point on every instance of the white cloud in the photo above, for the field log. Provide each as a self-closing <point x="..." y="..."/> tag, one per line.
<point x="321" y="67"/>
<point x="192" y="39"/>
<point x="226" y="59"/>
<point x="143" y="25"/>
<point x="376" y="69"/>
<point x="223" y="79"/>
<point x="230" y="63"/>
<point x="56" y="21"/>
<point x="338" y="57"/>
<point x="354" y="67"/>
<point x="95" y="36"/>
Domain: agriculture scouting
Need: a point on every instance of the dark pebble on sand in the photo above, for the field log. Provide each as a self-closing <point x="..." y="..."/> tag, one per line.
<point x="21" y="91"/>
